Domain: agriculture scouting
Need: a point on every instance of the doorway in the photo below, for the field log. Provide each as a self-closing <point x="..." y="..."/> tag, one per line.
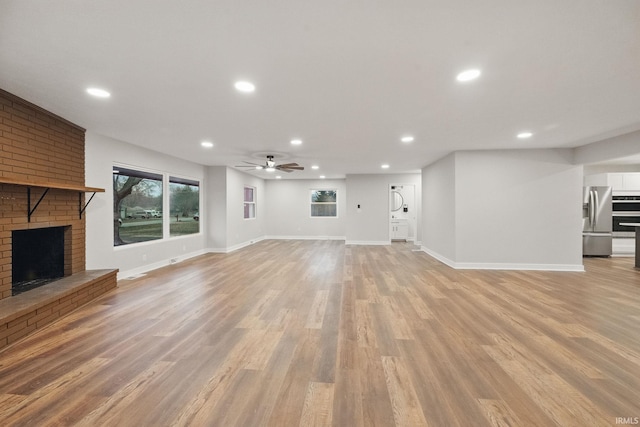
<point x="403" y="212"/>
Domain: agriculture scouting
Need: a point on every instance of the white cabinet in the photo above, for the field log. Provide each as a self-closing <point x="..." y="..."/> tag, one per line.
<point x="615" y="181"/>
<point x="631" y="181"/>
<point x="619" y="181"/>
<point x="399" y="230"/>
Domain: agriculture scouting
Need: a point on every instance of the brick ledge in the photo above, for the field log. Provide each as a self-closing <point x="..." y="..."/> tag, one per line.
<point x="22" y="314"/>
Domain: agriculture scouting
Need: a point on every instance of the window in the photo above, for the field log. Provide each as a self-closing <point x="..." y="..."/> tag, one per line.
<point x="324" y="203"/>
<point x="249" y="202"/>
<point x="184" y="206"/>
<point x="137" y="206"/>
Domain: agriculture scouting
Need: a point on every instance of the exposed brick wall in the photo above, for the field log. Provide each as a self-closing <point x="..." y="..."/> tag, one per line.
<point x="38" y="146"/>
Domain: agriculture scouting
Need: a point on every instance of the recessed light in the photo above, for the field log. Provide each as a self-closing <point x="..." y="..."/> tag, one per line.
<point x="407" y="139"/>
<point x="244" y="86"/>
<point x="296" y="142"/>
<point x="278" y="177"/>
<point x="98" y="93"/>
<point x="385" y="166"/>
<point x="207" y="144"/>
<point x="270" y="169"/>
<point x="468" y="75"/>
<point x="315" y="167"/>
<point x="259" y="167"/>
<point x="525" y="135"/>
<point x="322" y="177"/>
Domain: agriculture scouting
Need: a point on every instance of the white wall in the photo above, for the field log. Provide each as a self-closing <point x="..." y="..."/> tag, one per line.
<point x="439" y="208"/>
<point x="608" y="149"/>
<point x="608" y="168"/>
<point x="215" y="212"/>
<point x="288" y="208"/>
<point x="241" y="232"/>
<point x="514" y="209"/>
<point x="101" y="153"/>
<point x="519" y="209"/>
<point x="224" y="213"/>
<point x="370" y="225"/>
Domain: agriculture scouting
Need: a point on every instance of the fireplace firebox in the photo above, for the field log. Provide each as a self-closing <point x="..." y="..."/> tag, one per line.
<point x="37" y="257"/>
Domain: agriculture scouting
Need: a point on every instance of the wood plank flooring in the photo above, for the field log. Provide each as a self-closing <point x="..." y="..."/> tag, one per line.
<point x="316" y="333"/>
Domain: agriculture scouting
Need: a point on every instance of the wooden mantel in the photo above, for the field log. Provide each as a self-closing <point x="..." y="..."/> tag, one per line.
<point x="49" y="185"/>
<point x="55" y="185"/>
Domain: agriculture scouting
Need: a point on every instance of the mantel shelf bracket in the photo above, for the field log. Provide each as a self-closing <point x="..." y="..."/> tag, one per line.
<point x="29" y="210"/>
<point x="83" y="208"/>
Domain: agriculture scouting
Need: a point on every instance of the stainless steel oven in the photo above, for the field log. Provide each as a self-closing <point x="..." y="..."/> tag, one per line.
<point x="625" y="209"/>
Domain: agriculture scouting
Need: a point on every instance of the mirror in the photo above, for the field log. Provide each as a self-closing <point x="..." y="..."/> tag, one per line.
<point x="396" y="201"/>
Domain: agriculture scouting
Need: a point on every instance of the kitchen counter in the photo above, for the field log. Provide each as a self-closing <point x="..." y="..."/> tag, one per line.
<point x="636" y="225"/>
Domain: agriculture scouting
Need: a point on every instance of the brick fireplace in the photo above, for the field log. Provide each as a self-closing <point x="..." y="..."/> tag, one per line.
<point x="41" y="186"/>
<point x="39" y="147"/>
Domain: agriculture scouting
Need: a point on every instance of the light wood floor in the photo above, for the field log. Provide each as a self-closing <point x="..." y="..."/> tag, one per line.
<point x="287" y="333"/>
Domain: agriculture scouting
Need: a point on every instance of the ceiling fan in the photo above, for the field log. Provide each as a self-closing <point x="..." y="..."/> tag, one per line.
<point x="270" y="166"/>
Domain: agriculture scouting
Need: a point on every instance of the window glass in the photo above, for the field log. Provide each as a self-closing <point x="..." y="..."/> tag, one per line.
<point x="324" y="203"/>
<point x="184" y="206"/>
<point x="137" y="206"/>
<point x="249" y="202"/>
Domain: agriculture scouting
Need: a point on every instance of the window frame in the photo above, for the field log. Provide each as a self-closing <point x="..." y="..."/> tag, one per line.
<point x="254" y="193"/>
<point x="165" y="180"/>
<point x="311" y="202"/>
<point x="144" y="173"/>
<point x="177" y="179"/>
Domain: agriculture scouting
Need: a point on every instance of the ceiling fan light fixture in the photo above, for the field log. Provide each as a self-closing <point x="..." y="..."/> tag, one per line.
<point x="270" y="165"/>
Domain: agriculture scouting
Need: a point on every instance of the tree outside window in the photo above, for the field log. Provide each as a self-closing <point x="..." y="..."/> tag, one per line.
<point x="324" y="203"/>
<point x="184" y="204"/>
<point x="137" y="206"/>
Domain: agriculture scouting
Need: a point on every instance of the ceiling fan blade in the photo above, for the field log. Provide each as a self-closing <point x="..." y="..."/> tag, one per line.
<point x="287" y="165"/>
<point x="290" y="168"/>
<point x="249" y="163"/>
<point x="245" y="166"/>
<point x="285" y="170"/>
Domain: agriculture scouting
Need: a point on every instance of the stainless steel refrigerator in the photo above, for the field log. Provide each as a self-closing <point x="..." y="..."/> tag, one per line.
<point x="596" y="221"/>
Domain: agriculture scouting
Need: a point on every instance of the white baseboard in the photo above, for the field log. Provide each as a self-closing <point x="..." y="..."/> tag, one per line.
<point x="502" y="266"/>
<point x="258" y="239"/>
<point x="236" y="247"/>
<point x="153" y="266"/>
<point x="304" y="238"/>
<point x="368" y="242"/>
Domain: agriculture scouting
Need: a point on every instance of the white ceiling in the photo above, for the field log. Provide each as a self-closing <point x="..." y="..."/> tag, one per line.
<point x="349" y="78"/>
